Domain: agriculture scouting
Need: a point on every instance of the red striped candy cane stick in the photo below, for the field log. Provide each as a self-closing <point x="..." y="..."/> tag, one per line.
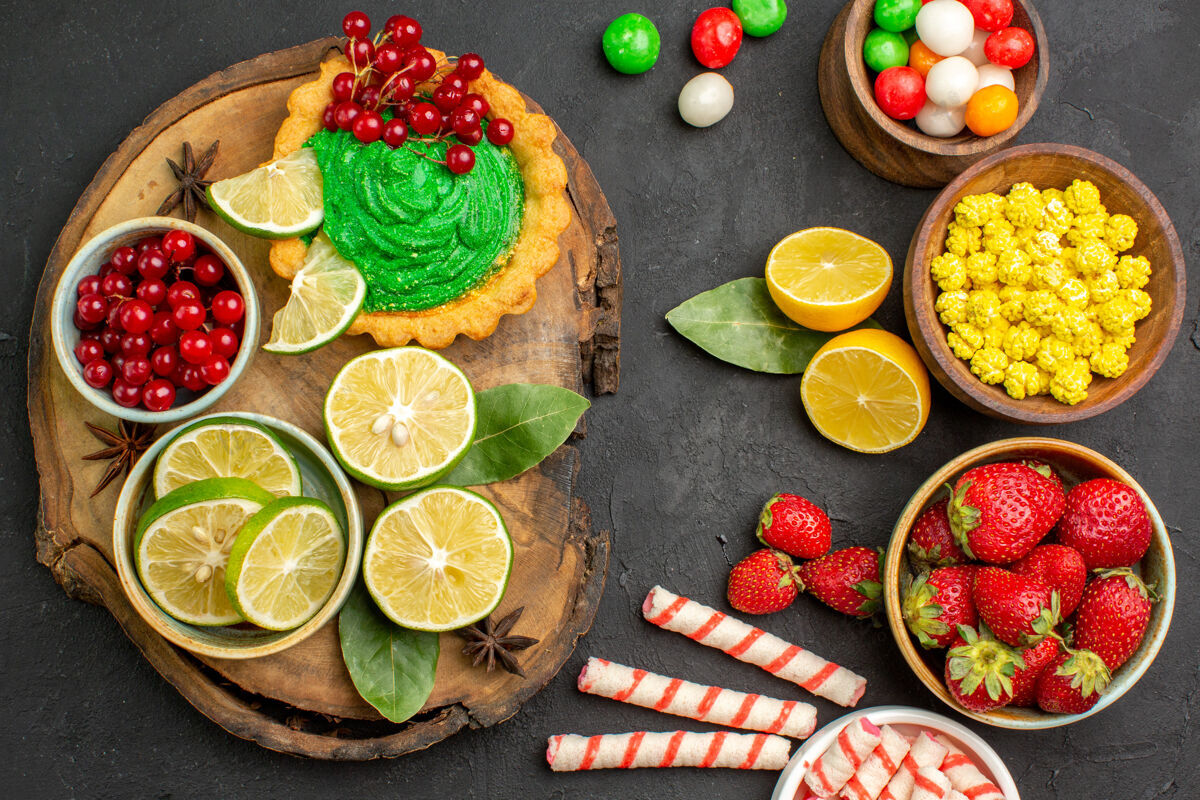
<point x="878" y="769"/>
<point x="696" y="701"/>
<point x="966" y="777"/>
<point x="926" y="751"/>
<point x="754" y="646"/>
<point x="571" y="753"/>
<point x="836" y="765"/>
<point x="931" y="784"/>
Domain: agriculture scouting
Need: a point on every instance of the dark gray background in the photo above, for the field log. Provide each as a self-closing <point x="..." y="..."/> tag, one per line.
<point x="687" y="450"/>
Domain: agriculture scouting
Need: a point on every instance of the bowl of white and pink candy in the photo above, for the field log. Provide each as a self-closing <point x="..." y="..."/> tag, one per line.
<point x="895" y="753"/>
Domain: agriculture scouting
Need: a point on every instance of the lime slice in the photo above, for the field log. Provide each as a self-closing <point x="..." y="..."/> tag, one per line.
<point x="327" y="293"/>
<point x="400" y="418"/>
<point x="438" y="559"/>
<point x="285" y="563"/>
<point x="227" y="447"/>
<point x="182" y="545"/>
<point x="275" y="201"/>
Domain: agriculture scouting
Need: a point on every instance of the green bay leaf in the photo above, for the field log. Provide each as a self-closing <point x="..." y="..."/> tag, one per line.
<point x="517" y="425"/>
<point x="393" y="668"/>
<point x="738" y="322"/>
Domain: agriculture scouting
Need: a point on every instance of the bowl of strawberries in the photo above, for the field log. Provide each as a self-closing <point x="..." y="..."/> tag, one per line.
<point x="1029" y="583"/>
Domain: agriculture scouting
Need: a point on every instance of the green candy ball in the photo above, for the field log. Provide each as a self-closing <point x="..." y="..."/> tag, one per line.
<point x="761" y="17"/>
<point x="883" y="49"/>
<point x="896" y="15"/>
<point x="911" y="36"/>
<point x="631" y="44"/>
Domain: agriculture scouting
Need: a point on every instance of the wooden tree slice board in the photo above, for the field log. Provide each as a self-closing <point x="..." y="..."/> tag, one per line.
<point x="302" y="701"/>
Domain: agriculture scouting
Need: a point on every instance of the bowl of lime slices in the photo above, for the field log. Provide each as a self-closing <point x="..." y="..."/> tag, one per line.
<point x="237" y="535"/>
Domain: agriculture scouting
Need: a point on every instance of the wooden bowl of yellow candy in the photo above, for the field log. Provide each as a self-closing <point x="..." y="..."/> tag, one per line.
<point x="1044" y="285"/>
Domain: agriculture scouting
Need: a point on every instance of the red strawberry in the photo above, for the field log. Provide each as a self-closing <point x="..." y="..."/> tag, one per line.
<point x="1072" y="683"/>
<point x="1042" y="468"/>
<point x="979" y="670"/>
<point x="1020" y="611"/>
<point x="999" y="512"/>
<point x="1113" y="616"/>
<point x="1106" y="521"/>
<point x="762" y="582"/>
<point x="794" y="525"/>
<point x="1059" y="567"/>
<point x="931" y="543"/>
<point x="845" y="580"/>
<point x="937" y="602"/>
<point x="1025" y="680"/>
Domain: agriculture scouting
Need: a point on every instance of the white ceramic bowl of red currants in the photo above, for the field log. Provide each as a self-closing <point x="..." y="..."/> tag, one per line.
<point x="154" y="319"/>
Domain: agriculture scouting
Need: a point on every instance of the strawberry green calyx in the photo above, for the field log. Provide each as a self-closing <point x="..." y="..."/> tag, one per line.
<point x="765" y="520"/>
<point x="1146" y="590"/>
<point x="982" y="660"/>
<point x="1087" y="672"/>
<point x="963" y="518"/>
<point x="1045" y="622"/>
<point x="871" y="590"/>
<point x="921" y="613"/>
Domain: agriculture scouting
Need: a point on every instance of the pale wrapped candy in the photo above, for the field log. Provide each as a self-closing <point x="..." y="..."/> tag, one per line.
<point x="571" y="753"/>
<point x="926" y="751"/>
<point x="878" y="769"/>
<point x="965" y="776"/>
<point x="838" y="764"/>
<point x="931" y="784"/>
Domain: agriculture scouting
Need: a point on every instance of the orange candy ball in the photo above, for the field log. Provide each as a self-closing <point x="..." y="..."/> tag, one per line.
<point x="921" y="58"/>
<point x="992" y="109"/>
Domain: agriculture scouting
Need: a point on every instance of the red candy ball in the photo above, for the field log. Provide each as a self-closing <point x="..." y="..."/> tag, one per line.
<point x="900" y="92"/>
<point x="1011" y="47"/>
<point x="990" y="15"/>
<point x="716" y="37"/>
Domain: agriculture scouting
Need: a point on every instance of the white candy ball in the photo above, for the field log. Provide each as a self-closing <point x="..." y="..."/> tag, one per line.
<point x="992" y="75"/>
<point x="705" y="99"/>
<point x="974" y="51"/>
<point x="951" y="81"/>
<point x="934" y="120"/>
<point x="945" y="26"/>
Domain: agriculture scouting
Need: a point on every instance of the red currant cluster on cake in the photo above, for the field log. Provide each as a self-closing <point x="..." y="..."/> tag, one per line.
<point x="388" y="70"/>
<point x="147" y="332"/>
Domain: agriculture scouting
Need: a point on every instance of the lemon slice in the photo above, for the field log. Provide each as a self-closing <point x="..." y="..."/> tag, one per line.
<point x="327" y="294"/>
<point x="828" y="279"/>
<point x="275" y="201"/>
<point x="182" y="546"/>
<point x="400" y="418"/>
<point x="227" y="447"/>
<point x="285" y="563"/>
<point x="438" y="559"/>
<point x="866" y="390"/>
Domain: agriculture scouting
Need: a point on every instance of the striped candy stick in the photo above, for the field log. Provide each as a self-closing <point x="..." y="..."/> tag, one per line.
<point x="754" y="646"/>
<point x="931" y="784"/>
<point x="838" y="764"/>
<point x="696" y="701"/>
<point x="878" y="769"/>
<point x="965" y="776"/>
<point x="571" y="753"/>
<point x="926" y="751"/>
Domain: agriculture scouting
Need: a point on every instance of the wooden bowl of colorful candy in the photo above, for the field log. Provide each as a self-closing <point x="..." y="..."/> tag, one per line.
<point x="917" y="92"/>
<point x="1044" y="285"/>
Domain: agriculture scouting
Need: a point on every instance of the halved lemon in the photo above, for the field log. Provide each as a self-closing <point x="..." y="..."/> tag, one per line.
<point x="227" y="447"/>
<point x="400" y="418"/>
<point x="828" y="279"/>
<point x="866" y="390"/>
<point x="182" y="544"/>
<point x="327" y="294"/>
<point x="438" y="559"/>
<point x="279" y="200"/>
<point x="285" y="563"/>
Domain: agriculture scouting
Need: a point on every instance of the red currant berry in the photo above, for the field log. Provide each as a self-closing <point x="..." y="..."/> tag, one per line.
<point x="215" y="371"/>
<point x="228" y="307"/>
<point x="464" y="120"/>
<point x="124" y="259"/>
<point x="195" y="347"/>
<point x="420" y="63"/>
<point x="153" y="292"/>
<point x="360" y="52"/>
<point x="356" y="25"/>
<point x="125" y="394"/>
<point x="113" y="320"/>
<point x="152" y="264"/>
<point x="328" y="118"/>
<point x="190" y="377"/>
<point x="446" y="98"/>
<point x="118" y="362"/>
<point x="368" y="127"/>
<point x="179" y="246"/>
<point x="460" y="159"/>
<point x="369" y="98"/>
<point x="80" y="324"/>
<point x="105" y="268"/>
<point x="110" y="340"/>
<point x="149" y="243"/>
<point x="389" y="57"/>
<point x="164" y="360"/>
<point x="164" y="330"/>
<point x="345" y="114"/>
<point x="136" y="370"/>
<point x="343" y="87"/>
<point x="158" y="395"/>
<point x="398" y="88"/>
<point x="476" y="103"/>
<point x="208" y="270"/>
<point x="136" y="344"/>
<point x="89" y="285"/>
<point x="405" y="31"/>
<point x="97" y="373"/>
<point x="182" y="292"/>
<point x="114" y="283"/>
<point x="472" y="138"/>
<point x="500" y="132"/>
<point x="425" y="119"/>
<point x="188" y="316"/>
<point x="88" y="350"/>
<point x="395" y="132"/>
<point x="92" y="308"/>
<point x="136" y="316"/>
<point x="470" y="66"/>
<point x="224" y="342"/>
<point x="456" y="81"/>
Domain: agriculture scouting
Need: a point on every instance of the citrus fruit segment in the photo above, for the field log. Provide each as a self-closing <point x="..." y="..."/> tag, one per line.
<point x="275" y="201"/>
<point x="285" y="563"/>
<point x="182" y="546"/>
<point x="327" y="294"/>
<point x="438" y="559"/>
<point x="226" y="447"/>
<point x="866" y="390"/>
<point x="828" y="279"/>
<point x="400" y="418"/>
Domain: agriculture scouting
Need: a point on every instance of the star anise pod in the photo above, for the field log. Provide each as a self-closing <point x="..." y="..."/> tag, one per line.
<point x="191" y="182"/>
<point x="125" y="446"/>
<point x="489" y="641"/>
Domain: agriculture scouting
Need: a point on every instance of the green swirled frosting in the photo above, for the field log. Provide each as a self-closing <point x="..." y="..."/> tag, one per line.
<point x="420" y="235"/>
